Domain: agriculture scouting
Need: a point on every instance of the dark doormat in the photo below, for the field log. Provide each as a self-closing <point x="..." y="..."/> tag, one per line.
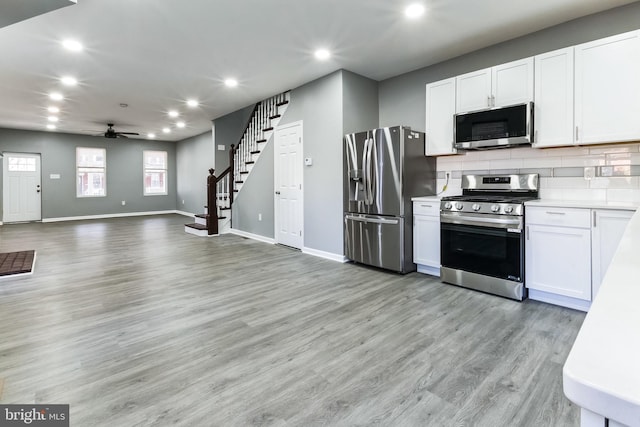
<point x="12" y="263"/>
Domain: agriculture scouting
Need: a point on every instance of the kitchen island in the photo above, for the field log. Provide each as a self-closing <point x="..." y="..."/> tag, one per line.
<point x="602" y="371"/>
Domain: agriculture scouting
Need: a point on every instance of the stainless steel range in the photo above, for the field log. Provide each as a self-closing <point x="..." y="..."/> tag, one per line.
<point x="482" y="243"/>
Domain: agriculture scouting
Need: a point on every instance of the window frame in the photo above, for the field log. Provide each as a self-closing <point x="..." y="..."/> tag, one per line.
<point x="154" y="168"/>
<point x="94" y="169"/>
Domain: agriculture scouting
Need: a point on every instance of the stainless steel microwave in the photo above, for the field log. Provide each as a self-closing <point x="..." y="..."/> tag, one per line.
<point x="494" y="128"/>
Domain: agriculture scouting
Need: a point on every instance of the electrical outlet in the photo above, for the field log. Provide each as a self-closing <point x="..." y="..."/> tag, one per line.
<point x="589" y="172"/>
<point x="124" y="202"/>
<point x="183" y="202"/>
<point x="259" y="217"/>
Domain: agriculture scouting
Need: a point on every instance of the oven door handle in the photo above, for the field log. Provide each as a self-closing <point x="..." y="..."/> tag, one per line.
<point x="482" y="222"/>
<point x="371" y="219"/>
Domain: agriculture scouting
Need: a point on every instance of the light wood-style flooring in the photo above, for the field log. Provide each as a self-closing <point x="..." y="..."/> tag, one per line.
<point x="133" y="322"/>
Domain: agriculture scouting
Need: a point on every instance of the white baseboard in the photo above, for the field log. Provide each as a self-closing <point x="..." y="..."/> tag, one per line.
<point x="326" y="255"/>
<point x="183" y="213"/>
<point x="252" y="236"/>
<point x="105" y="216"/>
<point x="576" y="304"/>
<point x="426" y="269"/>
<point x="0" y="222"/>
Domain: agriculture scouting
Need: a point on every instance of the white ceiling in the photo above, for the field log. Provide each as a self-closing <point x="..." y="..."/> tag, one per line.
<point x="154" y="54"/>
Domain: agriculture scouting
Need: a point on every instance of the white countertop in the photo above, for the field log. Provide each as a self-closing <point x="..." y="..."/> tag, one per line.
<point x="602" y="372"/>
<point x="586" y="204"/>
<point x="426" y="199"/>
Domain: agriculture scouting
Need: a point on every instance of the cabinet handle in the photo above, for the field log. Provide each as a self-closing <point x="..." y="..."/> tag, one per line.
<point x="426" y="206"/>
<point x="488" y="101"/>
<point x="556" y="213"/>
<point x="576" y="133"/>
<point x="493" y="101"/>
<point x="527" y="229"/>
<point x="594" y="219"/>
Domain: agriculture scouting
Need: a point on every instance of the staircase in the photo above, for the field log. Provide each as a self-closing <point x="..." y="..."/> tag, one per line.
<point x="222" y="189"/>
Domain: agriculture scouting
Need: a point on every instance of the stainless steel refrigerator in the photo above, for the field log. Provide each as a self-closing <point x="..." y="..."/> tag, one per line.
<point x="384" y="168"/>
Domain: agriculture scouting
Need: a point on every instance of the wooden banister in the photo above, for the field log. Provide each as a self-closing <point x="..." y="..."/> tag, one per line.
<point x="212" y="203"/>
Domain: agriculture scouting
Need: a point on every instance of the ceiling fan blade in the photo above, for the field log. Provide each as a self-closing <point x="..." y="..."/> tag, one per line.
<point x="122" y="136"/>
<point x="127" y="133"/>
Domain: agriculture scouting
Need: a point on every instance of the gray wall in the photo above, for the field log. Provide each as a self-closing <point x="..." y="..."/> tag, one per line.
<point x="402" y="98"/>
<point x="256" y="198"/>
<point x="359" y="103"/>
<point x="124" y="172"/>
<point x="228" y="130"/>
<point x="319" y="105"/>
<point x="194" y="158"/>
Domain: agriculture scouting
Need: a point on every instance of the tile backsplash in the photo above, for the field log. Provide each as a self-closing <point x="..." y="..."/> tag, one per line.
<point x="599" y="173"/>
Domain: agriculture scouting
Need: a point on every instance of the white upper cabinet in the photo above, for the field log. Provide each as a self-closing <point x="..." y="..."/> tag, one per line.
<point x="607" y="89"/>
<point x="554" y="99"/>
<point x="502" y="85"/>
<point x="441" y="106"/>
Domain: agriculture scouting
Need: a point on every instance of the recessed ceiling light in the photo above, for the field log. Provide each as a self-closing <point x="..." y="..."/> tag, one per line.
<point x="180" y="124"/>
<point x="166" y="130"/>
<point x="231" y="82"/>
<point x="53" y="109"/>
<point x="173" y="113"/>
<point x="414" y="10"/>
<point x="192" y="103"/>
<point x="151" y="135"/>
<point x="56" y="96"/>
<point x="322" y="54"/>
<point x="52" y="118"/>
<point x="69" y="81"/>
<point x="51" y="126"/>
<point x="72" y="45"/>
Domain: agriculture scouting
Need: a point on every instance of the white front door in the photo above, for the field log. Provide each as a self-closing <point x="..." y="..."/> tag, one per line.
<point x="288" y="185"/>
<point x="21" y="187"/>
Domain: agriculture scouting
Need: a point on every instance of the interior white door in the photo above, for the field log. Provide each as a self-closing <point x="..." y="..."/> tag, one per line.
<point x="21" y="187"/>
<point x="288" y="185"/>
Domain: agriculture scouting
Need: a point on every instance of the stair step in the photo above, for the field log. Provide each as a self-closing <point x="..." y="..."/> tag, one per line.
<point x="255" y="152"/>
<point x="244" y="172"/>
<point x="239" y="182"/>
<point x="250" y="162"/>
<point x="225" y="209"/>
<point x="275" y="117"/>
<point x="235" y="191"/>
<point x="282" y="103"/>
<point x="202" y="216"/>
<point x="261" y="141"/>
<point x="222" y="217"/>
<point x="196" y="226"/>
<point x="267" y="129"/>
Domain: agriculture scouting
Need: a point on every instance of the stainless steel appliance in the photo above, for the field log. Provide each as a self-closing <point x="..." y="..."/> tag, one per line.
<point x="482" y="243"/>
<point x="494" y="128"/>
<point x="384" y="168"/>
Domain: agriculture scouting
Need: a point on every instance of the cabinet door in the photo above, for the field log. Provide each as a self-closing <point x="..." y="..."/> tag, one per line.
<point x="441" y="106"/>
<point x="606" y="232"/>
<point x="558" y="260"/>
<point x="512" y="83"/>
<point x="426" y="240"/>
<point x="473" y="91"/>
<point x="607" y="89"/>
<point x="554" y="98"/>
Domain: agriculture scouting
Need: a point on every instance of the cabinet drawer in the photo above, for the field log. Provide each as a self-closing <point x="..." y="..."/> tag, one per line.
<point x="565" y="217"/>
<point x="431" y="208"/>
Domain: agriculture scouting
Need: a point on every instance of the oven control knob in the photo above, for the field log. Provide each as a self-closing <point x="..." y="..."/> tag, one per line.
<point x="447" y="205"/>
<point x="475" y="207"/>
<point x="458" y="205"/>
<point x="495" y="208"/>
<point x="508" y="209"/>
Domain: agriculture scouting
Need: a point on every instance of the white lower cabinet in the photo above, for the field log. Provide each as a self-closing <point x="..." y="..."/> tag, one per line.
<point x="607" y="229"/>
<point x="426" y="236"/>
<point x="568" y="250"/>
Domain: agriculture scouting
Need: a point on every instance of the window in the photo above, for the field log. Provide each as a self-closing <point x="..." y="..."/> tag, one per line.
<point x="91" y="167"/>
<point x="155" y="172"/>
<point x="21" y="164"/>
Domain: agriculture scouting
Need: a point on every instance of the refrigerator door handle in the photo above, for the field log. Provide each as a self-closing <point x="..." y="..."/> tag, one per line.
<point x="369" y="172"/>
<point x="371" y="220"/>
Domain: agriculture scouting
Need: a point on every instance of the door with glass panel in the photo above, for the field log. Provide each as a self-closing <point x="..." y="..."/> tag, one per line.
<point x="21" y="188"/>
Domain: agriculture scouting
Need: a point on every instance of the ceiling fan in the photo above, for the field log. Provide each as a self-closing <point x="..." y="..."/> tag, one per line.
<point x="111" y="133"/>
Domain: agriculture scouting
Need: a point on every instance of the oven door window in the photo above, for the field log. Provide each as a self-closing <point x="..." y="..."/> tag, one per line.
<point x="493" y="252"/>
